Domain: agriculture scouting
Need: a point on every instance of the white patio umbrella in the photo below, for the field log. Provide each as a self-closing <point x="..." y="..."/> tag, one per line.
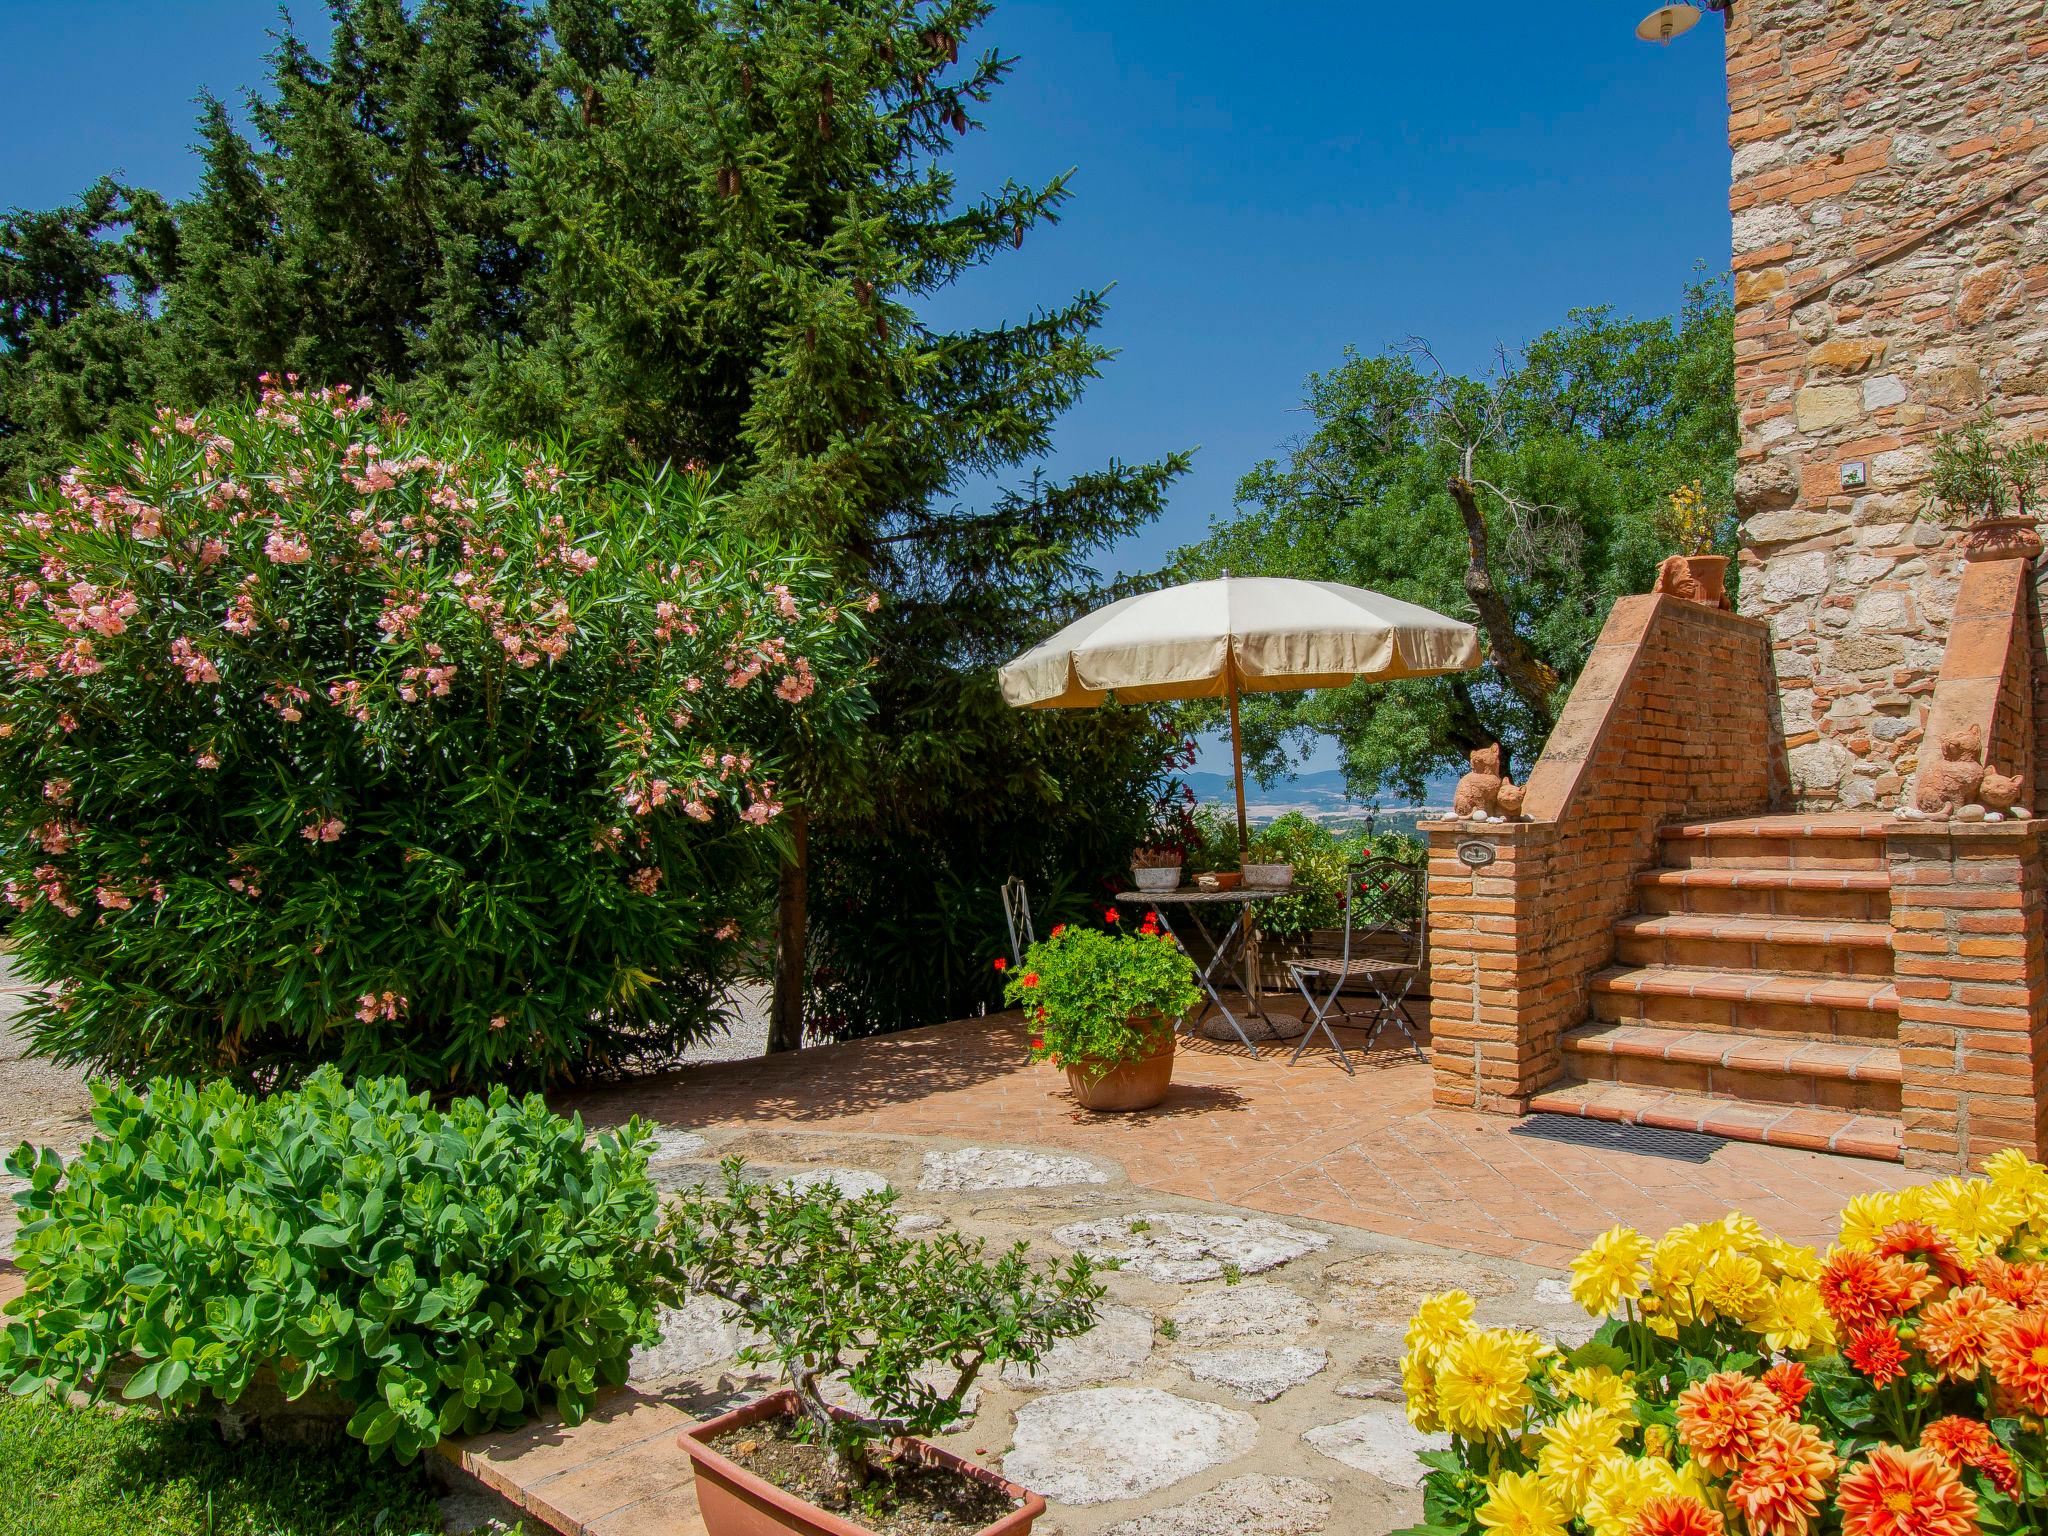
<point x="1246" y="634"/>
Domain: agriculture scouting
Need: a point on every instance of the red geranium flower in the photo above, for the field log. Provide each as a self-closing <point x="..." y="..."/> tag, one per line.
<point x="1058" y="929"/>
<point x="1110" y="914"/>
<point x="1029" y="979"/>
<point x="1038" y="1042"/>
<point x="1002" y="964"/>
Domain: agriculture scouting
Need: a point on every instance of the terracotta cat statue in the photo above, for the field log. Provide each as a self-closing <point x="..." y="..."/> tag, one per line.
<point x="1478" y="792"/>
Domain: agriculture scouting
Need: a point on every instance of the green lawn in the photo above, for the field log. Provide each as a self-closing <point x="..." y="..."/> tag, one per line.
<point x="69" y="1472"/>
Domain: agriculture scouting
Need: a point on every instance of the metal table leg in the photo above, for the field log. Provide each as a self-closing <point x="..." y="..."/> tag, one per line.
<point x="1219" y="951"/>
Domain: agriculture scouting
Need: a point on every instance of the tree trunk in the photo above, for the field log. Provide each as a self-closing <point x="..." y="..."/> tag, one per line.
<point x="1526" y="673"/>
<point x="792" y="927"/>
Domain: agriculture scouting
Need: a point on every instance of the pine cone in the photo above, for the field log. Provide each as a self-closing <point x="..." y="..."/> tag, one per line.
<point x="1017" y="236"/>
<point x="959" y="119"/>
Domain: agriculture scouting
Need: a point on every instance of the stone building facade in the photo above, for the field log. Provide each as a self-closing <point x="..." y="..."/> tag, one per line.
<point x="1890" y="209"/>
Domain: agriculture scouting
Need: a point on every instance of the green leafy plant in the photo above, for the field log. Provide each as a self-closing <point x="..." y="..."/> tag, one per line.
<point x="323" y="737"/>
<point x="434" y="1271"/>
<point x="1320" y="858"/>
<point x="1097" y="999"/>
<point x="1975" y="475"/>
<point x="838" y="1293"/>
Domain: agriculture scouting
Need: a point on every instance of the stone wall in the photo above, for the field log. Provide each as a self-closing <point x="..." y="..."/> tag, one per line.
<point x="1876" y="303"/>
<point x="1670" y="720"/>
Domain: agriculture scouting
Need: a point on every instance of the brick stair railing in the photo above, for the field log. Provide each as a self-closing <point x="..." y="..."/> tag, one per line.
<point x="1751" y="995"/>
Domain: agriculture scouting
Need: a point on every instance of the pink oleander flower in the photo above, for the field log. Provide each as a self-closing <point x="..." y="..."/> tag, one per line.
<point x="644" y="880"/>
<point x="193" y="662"/>
<point x="372" y="1006"/>
<point x="322" y="829"/>
<point x="286" y="548"/>
<point x="207" y="760"/>
<point x="112" y="899"/>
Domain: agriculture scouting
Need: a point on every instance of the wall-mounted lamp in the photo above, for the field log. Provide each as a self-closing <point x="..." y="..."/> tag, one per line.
<point x="1667" y="21"/>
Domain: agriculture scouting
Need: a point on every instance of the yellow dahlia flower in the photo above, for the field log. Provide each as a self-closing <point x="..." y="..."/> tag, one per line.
<point x="1611" y="1271"/>
<point x="1597" y="1385"/>
<point x="1439" y="1322"/>
<point x="1576" y="1445"/>
<point x="1482" y="1381"/>
<point x="1517" y="1504"/>
<point x="1796" y="1320"/>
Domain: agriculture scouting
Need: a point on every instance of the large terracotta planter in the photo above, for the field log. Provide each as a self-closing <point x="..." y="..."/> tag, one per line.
<point x="734" y="1502"/>
<point x="1711" y="572"/>
<point x="1129" y="1084"/>
<point x="2001" y="538"/>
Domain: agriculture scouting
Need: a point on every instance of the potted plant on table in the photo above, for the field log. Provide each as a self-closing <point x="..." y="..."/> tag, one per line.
<point x="1156" y="868"/>
<point x="1982" y="484"/>
<point x="1103" y="1006"/>
<point x="849" y="1309"/>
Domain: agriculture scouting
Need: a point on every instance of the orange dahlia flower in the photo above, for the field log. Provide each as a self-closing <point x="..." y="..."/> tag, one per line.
<point x="1860" y="1288"/>
<point x="1788" y="1382"/>
<point x="2019" y="1359"/>
<point x="1920" y="1240"/>
<point x="1780" y="1488"/>
<point x="1721" y="1419"/>
<point x="1964" y="1443"/>
<point x="1878" y="1352"/>
<point x="1677" y="1515"/>
<point x="2024" y="1286"/>
<point x="1957" y="1332"/>
<point x="1905" y="1493"/>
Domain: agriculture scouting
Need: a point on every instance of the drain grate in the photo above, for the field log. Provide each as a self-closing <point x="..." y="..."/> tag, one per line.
<point x="1648" y="1140"/>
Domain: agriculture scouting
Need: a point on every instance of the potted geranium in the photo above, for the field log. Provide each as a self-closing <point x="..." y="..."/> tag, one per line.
<point x="1982" y="484"/>
<point x="1103" y="1006"/>
<point x="878" y="1338"/>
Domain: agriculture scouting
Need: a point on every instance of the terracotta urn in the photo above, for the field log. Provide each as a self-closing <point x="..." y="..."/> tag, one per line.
<point x="1128" y="1085"/>
<point x="1711" y="572"/>
<point x="2001" y="538"/>
<point x="734" y="1502"/>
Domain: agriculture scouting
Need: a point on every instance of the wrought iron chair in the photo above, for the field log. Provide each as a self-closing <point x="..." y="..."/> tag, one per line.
<point x="1384" y="934"/>
<point x="1017" y="914"/>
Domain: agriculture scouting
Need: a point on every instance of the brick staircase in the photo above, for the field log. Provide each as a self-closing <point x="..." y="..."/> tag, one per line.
<point x="1751" y="995"/>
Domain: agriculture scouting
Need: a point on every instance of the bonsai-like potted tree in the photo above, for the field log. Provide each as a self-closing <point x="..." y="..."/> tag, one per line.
<point x="895" y="1328"/>
<point x="1103" y="1006"/>
<point x="1983" y="484"/>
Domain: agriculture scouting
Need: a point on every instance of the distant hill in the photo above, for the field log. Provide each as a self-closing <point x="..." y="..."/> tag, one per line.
<point x="1319" y="794"/>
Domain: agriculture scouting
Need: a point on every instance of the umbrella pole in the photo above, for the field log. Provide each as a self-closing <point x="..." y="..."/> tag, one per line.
<point x="1237" y="764"/>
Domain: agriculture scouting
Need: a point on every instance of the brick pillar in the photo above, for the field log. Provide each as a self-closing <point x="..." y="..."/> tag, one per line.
<point x="1494" y="1015"/>
<point x="1971" y="956"/>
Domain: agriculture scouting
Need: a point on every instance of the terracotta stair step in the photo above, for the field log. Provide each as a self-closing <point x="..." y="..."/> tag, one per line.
<point x="1703" y="999"/>
<point x="1857" y="1076"/>
<point x="1827" y="842"/>
<point x="1868" y="993"/>
<point x="1738" y="941"/>
<point x="1856" y="824"/>
<point x="1844" y="1061"/>
<point x="1778" y="1125"/>
<point x="1769" y="879"/>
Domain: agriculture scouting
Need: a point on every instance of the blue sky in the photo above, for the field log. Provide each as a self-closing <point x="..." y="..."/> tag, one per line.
<point x="1264" y="185"/>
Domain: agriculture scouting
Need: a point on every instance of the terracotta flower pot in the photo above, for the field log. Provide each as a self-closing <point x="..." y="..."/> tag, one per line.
<point x="2001" y="538"/>
<point x="734" y="1502"/>
<point x="1128" y="1085"/>
<point x="1711" y="572"/>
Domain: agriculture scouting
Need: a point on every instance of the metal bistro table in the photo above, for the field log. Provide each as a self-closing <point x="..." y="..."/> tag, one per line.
<point x="1235" y="943"/>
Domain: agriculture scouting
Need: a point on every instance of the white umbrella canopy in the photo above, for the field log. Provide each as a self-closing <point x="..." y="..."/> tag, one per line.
<point x="1247" y="634"/>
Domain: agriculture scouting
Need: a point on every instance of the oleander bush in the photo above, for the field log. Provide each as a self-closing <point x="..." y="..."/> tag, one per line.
<point x="1741" y="1385"/>
<point x="326" y="738"/>
<point x="434" y="1271"/>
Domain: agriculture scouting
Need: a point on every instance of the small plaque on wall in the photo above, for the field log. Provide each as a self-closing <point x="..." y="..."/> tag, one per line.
<point x="1475" y="854"/>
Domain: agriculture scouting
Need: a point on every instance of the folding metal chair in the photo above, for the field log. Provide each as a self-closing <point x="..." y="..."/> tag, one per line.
<point x="1017" y="915"/>
<point x="1384" y="932"/>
